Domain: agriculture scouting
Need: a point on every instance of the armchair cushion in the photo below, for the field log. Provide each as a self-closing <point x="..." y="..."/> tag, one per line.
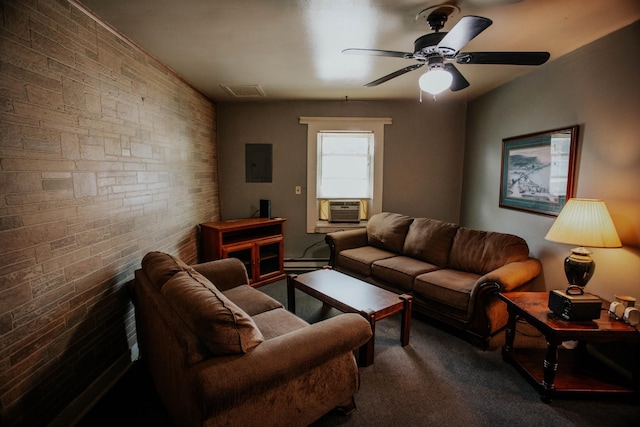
<point x="251" y="300"/>
<point x="275" y="323"/>
<point x="226" y="273"/>
<point x="161" y="267"/>
<point x="219" y="323"/>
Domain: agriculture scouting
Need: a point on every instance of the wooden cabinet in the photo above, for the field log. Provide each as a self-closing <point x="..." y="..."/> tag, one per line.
<point x="257" y="242"/>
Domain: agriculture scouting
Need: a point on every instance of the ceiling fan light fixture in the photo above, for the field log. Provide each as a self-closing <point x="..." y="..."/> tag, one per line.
<point x="435" y="48"/>
<point x="435" y="81"/>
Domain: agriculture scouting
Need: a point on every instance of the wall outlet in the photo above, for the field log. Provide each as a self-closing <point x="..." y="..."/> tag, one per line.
<point x="298" y="189"/>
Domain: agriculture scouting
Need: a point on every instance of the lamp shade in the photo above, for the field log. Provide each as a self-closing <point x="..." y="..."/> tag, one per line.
<point x="435" y="81"/>
<point x="584" y="222"/>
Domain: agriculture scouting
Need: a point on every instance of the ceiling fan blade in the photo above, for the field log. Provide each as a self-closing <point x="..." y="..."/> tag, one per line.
<point x="459" y="82"/>
<point x="506" y="58"/>
<point x="394" y="74"/>
<point x="462" y="33"/>
<point x="377" y="52"/>
<point x="503" y="58"/>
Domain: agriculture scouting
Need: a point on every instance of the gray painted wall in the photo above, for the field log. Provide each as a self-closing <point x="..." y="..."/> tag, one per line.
<point x="423" y="160"/>
<point x="598" y="88"/>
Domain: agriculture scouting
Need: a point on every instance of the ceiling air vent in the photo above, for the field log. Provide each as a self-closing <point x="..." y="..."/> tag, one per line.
<point x="244" y="91"/>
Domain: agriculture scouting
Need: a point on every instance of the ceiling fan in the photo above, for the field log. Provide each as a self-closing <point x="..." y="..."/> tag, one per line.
<point x="439" y="50"/>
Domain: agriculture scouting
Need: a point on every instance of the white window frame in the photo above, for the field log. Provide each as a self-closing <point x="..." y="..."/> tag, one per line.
<point x="315" y="125"/>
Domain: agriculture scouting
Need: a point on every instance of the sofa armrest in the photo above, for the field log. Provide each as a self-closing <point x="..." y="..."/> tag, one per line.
<point x="224" y="273"/>
<point x="488" y="313"/>
<point x="347" y="239"/>
<point x="227" y="380"/>
<point x="513" y="275"/>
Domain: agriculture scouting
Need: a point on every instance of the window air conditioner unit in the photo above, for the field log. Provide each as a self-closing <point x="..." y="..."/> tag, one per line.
<point x="344" y="210"/>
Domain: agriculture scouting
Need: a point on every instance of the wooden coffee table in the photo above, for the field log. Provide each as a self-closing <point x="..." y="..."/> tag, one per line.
<point x="351" y="295"/>
<point x="557" y="371"/>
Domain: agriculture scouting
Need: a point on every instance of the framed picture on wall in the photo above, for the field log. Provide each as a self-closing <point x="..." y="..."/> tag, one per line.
<point x="538" y="171"/>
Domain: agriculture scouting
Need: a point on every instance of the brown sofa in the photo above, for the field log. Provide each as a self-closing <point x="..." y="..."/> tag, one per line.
<point x="454" y="273"/>
<point x="231" y="355"/>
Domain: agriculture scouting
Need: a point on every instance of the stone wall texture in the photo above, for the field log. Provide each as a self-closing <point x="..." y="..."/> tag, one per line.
<point x="105" y="155"/>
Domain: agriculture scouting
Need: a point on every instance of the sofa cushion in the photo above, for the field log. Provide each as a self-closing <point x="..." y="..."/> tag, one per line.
<point x="250" y="300"/>
<point x="480" y="252"/>
<point x="221" y="325"/>
<point x="160" y="267"/>
<point x="359" y="260"/>
<point x="400" y="270"/>
<point x="449" y="287"/>
<point x="430" y="240"/>
<point x="388" y="230"/>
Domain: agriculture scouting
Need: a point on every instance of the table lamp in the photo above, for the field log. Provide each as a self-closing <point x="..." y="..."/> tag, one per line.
<point x="583" y="222"/>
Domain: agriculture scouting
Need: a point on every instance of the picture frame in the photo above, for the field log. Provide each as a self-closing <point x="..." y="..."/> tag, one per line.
<point x="538" y="170"/>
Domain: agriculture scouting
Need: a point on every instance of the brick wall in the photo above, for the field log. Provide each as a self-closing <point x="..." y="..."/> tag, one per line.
<point x="104" y="156"/>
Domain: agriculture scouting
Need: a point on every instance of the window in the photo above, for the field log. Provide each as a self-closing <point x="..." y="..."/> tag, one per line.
<point x="345" y="169"/>
<point x="344" y="161"/>
<point x="345" y="165"/>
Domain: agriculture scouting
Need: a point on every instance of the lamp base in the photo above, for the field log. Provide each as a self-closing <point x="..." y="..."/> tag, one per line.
<point x="579" y="267"/>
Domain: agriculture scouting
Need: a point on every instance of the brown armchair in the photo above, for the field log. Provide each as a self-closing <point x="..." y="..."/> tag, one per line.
<point x="223" y="353"/>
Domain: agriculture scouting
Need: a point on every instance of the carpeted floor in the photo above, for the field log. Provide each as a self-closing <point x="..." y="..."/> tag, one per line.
<point x="438" y="379"/>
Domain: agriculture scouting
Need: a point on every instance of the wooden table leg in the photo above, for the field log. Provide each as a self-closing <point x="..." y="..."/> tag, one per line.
<point x="365" y="357"/>
<point x="291" y="293"/>
<point x="550" y="368"/>
<point x="510" y="333"/>
<point x="405" y="326"/>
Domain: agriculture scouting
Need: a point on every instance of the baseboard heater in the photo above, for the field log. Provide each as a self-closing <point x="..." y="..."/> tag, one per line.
<point x="300" y="265"/>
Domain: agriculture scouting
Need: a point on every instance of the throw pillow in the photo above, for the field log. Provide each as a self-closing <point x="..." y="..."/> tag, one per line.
<point x="216" y="320"/>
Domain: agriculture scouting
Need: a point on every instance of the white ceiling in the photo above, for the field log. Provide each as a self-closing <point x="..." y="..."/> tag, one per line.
<point x="292" y="48"/>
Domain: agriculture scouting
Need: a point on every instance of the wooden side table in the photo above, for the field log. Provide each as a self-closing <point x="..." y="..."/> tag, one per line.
<point x="555" y="372"/>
